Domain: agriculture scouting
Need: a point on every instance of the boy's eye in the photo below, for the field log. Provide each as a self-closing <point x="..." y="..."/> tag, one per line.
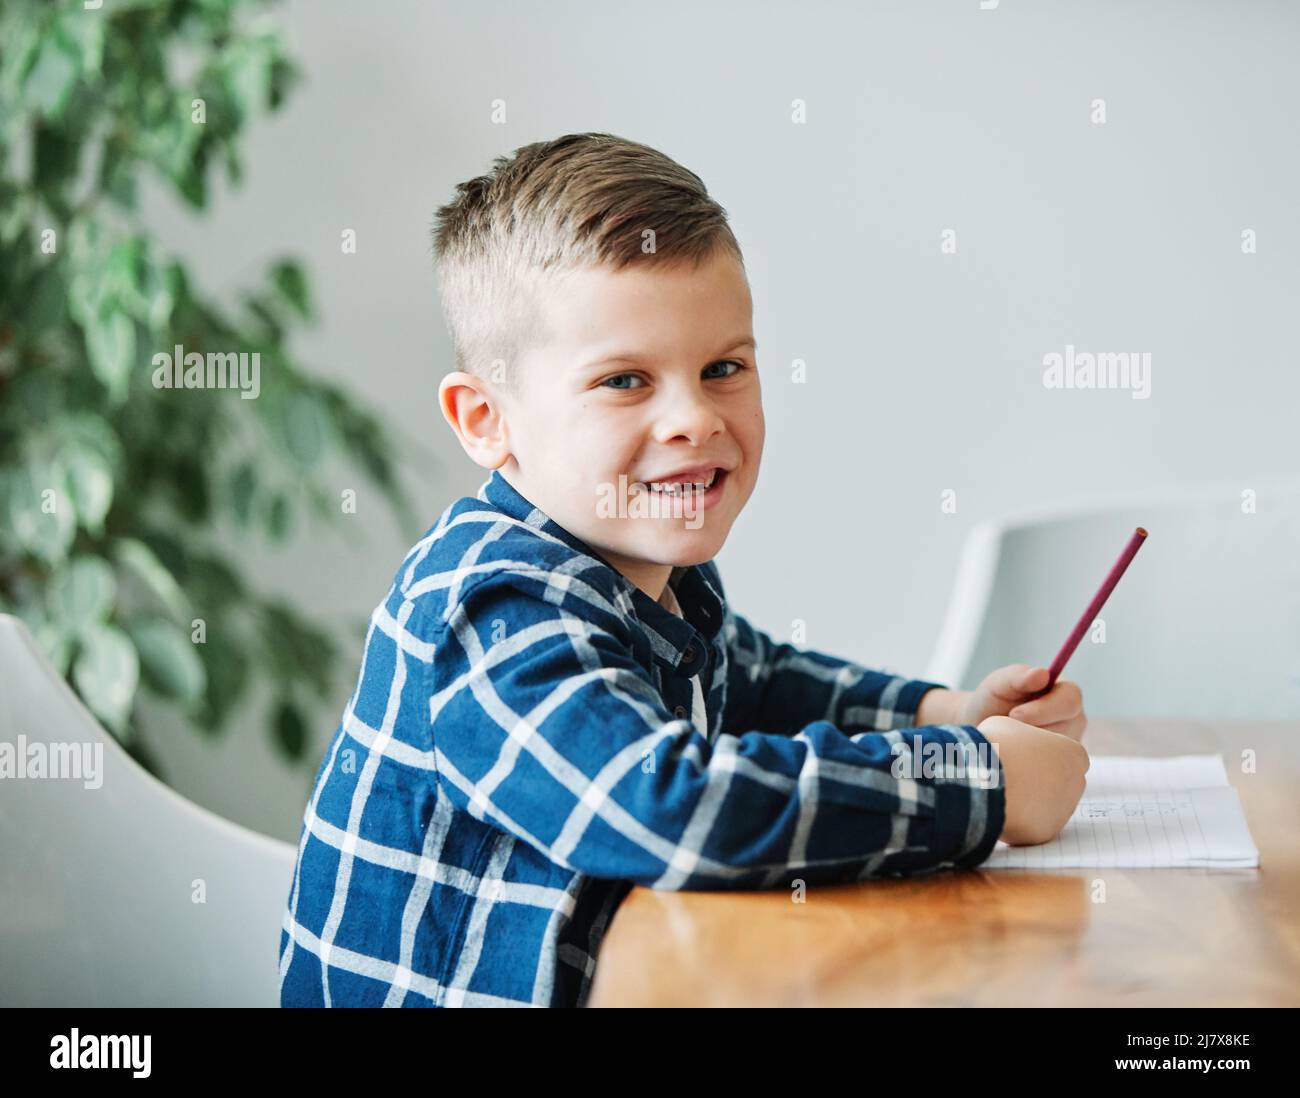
<point x="619" y="377"/>
<point x="724" y="362"/>
<point x="728" y="362"/>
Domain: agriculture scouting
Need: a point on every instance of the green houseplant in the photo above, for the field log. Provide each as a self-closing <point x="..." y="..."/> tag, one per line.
<point x="114" y="492"/>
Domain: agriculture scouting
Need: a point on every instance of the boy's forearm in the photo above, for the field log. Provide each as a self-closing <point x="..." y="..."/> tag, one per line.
<point x="941" y="706"/>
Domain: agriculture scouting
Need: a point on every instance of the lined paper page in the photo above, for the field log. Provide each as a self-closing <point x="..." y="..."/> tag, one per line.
<point x="1140" y="812"/>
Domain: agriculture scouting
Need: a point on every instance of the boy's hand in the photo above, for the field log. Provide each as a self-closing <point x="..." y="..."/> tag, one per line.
<point x="1044" y="776"/>
<point x="1007" y="692"/>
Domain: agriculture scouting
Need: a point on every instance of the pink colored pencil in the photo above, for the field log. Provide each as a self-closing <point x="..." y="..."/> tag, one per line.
<point x="1094" y="607"/>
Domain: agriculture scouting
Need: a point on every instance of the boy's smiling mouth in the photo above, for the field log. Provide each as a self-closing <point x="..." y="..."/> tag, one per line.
<point x="698" y="478"/>
<point x="699" y="488"/>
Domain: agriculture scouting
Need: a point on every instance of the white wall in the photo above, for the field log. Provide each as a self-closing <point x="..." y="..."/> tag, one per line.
<point x="924" y="369"/>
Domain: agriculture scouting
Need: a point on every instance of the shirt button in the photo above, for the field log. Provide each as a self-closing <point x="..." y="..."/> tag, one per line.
<point x="679" y="711"/>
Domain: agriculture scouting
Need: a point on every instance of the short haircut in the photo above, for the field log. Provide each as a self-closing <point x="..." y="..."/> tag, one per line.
<point x="582" y="200"/>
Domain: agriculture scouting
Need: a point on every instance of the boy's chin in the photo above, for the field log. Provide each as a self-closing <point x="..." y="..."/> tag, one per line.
<point x="683" y="549"/>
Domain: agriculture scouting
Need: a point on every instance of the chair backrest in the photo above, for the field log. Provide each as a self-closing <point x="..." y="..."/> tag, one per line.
<point x="127" y="894"/>
<point x="1205" y="623"/>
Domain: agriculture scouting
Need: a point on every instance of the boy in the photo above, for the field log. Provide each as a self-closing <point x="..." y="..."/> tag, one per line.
<point x="556" y="701"/>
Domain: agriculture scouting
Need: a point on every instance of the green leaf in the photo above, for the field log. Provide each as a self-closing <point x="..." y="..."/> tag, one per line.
<point x="227" y="668"/>
<point x="234" y="165"/>
<point x="272" y="329"/>
<point x="116" y="174"/>
<point x="55" y="643"/>
<point x="160" y="291"/>
<point x="81" y="594"/>
<point x="16" y="209"/>
<point x="290" y="281"/>
<point x="106" y="674"/>
<point x="90" y="482"/>
<point x="57" y="647"/>
<point x="36" y="510"/>
<point x="85" y="292"/>
<point x="89" y="431"/>
<point x="192" y="180"/>
<point x="171" y="665"/>
<point x="278" y="517"/>
<point x="243" y="485"/>
<point x="136" y="557"/>
<point x="290" y="730"/>
<point x="249" y="77"/>
<point x="110" y="342"/>
<point x="52" y="77"/>
<point x="86" y="36"/>
<point x="121" y="279"/>
<point x="22" y="43"/>
<point x="210" y="579"/>
<point x="295" y="648"/>
<point x="284" y="75"/>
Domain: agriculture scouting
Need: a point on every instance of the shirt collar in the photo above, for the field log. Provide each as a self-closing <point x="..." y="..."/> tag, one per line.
<point x="675" y="640"/>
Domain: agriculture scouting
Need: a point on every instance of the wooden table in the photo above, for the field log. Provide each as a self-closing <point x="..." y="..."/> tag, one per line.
<point x="1006" y="937"/>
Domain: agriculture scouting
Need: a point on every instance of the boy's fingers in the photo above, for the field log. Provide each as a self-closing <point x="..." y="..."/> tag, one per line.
<point x="1063" y="703"/>
<point x="1073" y="728"/>
<point x="1031" y="679"/>
<point x="1017" y="680"/>
<point x="1068" y="698"/>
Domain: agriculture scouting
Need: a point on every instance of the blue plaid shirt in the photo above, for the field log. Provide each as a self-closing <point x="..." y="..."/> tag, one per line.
<point x="519" y="751"/>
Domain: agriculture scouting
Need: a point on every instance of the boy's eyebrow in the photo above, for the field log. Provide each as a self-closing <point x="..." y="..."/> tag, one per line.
<point x="635" y="356"/>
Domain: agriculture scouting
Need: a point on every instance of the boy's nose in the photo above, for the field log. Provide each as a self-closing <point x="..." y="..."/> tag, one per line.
<point x="694" y="418"/>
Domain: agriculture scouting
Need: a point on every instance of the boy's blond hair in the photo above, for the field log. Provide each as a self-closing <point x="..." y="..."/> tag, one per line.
<point x="579" y="201"/>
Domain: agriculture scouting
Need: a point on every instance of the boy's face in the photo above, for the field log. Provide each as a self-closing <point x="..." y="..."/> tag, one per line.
<point x="645" y="372"/>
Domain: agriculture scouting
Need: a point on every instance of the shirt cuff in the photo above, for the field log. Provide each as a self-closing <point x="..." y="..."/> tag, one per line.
<point x="909" y="698"/>
<point x="975" y="829"/>
<point x="993" y="804"/>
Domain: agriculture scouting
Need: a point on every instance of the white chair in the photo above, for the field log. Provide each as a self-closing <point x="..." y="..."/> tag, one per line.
<point x="98" y="883"/>
<point x="1204" y="624"/>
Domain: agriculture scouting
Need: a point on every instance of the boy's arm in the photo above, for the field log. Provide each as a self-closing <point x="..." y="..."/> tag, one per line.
<point x="550" y="730"/>
<point x="779" y="688"/>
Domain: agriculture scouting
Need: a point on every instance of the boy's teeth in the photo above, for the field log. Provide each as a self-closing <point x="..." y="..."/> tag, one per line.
<point x="676" y="489"/>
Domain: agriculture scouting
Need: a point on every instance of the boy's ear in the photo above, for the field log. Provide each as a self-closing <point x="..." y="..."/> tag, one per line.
<point x="475" y="415"/>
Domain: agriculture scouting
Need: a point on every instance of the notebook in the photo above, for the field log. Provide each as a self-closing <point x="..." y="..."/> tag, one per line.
<point x="1139" y="812"/>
